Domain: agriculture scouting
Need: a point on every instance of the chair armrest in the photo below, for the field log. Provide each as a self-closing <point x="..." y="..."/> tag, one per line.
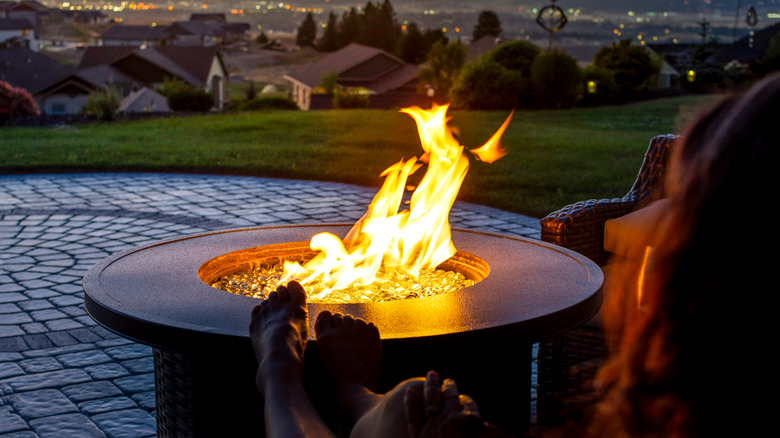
<point x="580" y="226"/>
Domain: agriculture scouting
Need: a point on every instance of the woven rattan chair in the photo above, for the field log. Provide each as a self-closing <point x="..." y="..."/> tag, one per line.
<point x="568" y="362"/>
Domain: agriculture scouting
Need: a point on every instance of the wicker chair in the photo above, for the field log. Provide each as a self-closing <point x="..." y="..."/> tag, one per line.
<point x="568" y="362"/>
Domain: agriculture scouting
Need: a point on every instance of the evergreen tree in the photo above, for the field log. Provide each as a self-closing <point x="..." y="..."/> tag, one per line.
<point x="307" y="32"/>
<point x="262" y="38"/>
<point x="350" y="28"/>
<point x="413" y="45"/>
<point x="487" y="24"/>
<point x="380" y="28"/>
<point x="329" y="41"/>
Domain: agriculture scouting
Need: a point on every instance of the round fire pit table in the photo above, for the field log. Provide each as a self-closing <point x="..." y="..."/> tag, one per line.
<point x="204" y="364"/>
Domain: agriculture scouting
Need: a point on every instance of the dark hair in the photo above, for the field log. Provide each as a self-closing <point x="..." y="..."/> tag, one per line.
<point x="689" y="325"/>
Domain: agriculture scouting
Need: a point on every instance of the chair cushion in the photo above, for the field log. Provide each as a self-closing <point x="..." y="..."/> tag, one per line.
<point x="623" y="233"/>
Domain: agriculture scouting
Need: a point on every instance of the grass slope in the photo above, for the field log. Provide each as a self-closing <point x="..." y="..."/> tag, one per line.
<point x="556" y="157"/>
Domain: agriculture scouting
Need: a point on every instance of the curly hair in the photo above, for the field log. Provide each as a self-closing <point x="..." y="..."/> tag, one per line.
<point x="683" y="321"/>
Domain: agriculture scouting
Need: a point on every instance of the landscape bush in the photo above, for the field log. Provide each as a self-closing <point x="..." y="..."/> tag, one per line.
<point x="634" y="68"/>
<point x="16" y="102"/>
<point x="184" y="97"/>
<point x="347" y="99"/>
<point x="103" y="104"/>
<point x="485" y="85"/>
<point x="515" y="55"/>
<point x="268" y="103"/>
<point x="190" y="99"/>
<point x="605" y="86"/>
<point x="556" y="80"/>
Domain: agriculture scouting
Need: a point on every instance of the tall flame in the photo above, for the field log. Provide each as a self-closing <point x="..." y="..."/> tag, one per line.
<point x="417" y="239"/>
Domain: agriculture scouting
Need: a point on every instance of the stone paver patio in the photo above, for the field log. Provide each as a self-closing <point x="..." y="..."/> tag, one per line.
<point x="61" y="375"/>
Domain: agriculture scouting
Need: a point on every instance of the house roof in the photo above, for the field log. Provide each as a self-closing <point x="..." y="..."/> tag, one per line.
<point x="21" y="67"/>
<point x="134" y="32"/>
<point x="15" y="24"/>
<point x="209" y="16"/>
<point x="352" y="63"/>
<point x="202" y="28"/>
<point x="144" y="100"/>
<point x="481" y="46"/>
<point x="191" y="64"/>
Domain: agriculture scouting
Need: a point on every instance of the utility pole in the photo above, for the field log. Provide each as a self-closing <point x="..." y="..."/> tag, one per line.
<point x="736" y="20"/>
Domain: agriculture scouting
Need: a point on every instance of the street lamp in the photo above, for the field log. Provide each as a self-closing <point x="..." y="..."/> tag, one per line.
<point x="430" y="90"/>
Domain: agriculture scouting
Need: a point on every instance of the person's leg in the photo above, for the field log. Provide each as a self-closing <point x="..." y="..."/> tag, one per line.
<point x="351" y="350"/>
<point x="279" y="330"/>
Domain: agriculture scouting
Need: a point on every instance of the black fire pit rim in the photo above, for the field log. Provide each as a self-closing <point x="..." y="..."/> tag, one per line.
<point x="142" y="330"/>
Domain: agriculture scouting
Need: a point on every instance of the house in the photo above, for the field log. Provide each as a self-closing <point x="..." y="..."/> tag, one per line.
<point x="69" y="94"/>
<point x="387" y="80"/>
<point x="477" y="48"/>
<point x="18" y="32"/>
<point x="144" y="100"/>
<point x="24" y="68"/>
<point x="130" y="69"/>
<point x="196" y="33"/>
<point x="30" y="10"/>
<point x="134" y="36"/>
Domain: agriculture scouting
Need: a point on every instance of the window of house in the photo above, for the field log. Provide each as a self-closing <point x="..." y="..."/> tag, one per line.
<point x="57" y="108"/>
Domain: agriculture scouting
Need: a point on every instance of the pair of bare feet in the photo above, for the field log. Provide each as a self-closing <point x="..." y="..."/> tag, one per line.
<point x="350" y="350"/>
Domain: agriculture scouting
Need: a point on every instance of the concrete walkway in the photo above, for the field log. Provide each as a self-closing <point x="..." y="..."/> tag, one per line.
<point x="61" y="375"/>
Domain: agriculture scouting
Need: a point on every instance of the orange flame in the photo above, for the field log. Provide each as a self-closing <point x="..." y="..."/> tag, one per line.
<point x="417" y="239"/>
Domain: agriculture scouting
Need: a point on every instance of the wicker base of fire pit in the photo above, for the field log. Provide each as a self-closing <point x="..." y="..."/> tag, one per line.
<point x="204" y="364"/>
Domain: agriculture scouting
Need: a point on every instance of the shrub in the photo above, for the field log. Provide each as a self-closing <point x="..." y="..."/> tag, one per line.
<point x="346" y="99"/>
<point x="604" y="82"/>
<point x="189" y="98"/>
<point x="515" y="55"/>
<point x="486" y="84"/>
<point x="633" y="67"/>
<point x="556" y="80"/>
<point x="16" y="102"/>
<point x="268" y="103"/>
<point x="103" y="103"/>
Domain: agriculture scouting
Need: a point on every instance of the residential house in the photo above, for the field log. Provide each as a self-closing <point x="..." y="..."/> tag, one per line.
<point x="69" y="94"/>
<point x="31" y="10"/>
<point x="134" y="36"/>
<point x="17" y="32"/>
<point x="24" y="68"/>
<point x="749" y="50"/>
<point x="196" y="33"/>
<point x="130" y="69"/>
<point x="387" y="80"/>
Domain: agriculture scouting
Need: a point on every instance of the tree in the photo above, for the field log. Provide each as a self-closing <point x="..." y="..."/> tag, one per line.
<point x="413" y="45"/>
<point x="516" y="55"/>
<point x="487" y="24"/>
<point x="556" y="80"/>
<point x="771" y="60"/>
<point x="103" y="103"/>
<point x="486" y="85"/>
<point x="350" y="28"/>
<point x="329" y="41"/>
<point x="379" y="28"/>
<point x="16" y="102"/>
<point x="632" y="66"/>
<point x="602" y="85"/>
<point x="307" y="32"/>
<point x="261" y="39"/>
<point x="444" y="62"/>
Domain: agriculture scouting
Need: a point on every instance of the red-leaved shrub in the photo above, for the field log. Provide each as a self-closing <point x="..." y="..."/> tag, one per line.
<point x="16" y="102"/>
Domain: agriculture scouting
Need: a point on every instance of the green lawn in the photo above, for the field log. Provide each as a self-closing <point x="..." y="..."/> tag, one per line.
<point x="556" y="157"/>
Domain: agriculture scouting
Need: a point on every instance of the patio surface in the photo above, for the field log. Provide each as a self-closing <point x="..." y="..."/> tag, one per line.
<point x="63" y="375"/>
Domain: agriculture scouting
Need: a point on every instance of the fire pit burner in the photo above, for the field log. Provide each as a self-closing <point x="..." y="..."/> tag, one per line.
<point x="255" y="272"/>
<point x="481" y="336"/>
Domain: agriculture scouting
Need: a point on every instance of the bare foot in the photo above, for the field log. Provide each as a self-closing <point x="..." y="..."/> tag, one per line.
<point x="279" y="329"/>
<point x="351" y="352"/>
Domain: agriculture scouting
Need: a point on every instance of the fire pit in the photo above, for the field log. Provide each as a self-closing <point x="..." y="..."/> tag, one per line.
<point x="204" y="364"/>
